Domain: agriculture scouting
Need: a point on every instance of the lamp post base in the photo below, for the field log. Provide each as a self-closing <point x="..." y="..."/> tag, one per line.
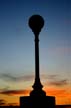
<point x="37" y="101"/>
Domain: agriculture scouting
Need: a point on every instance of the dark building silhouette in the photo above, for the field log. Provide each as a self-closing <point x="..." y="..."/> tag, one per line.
<point x="37" y="96"/>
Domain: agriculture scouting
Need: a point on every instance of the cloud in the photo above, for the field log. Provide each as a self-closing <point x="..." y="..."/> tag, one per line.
<point x="56" y="80"/>
<point x="58" y="83"/>
<point x="49" y="91"/>
<point x="5" y="103"/>
<point x="2" y="102"/>
<point x="9" y="77"/>
<point x="15" y="92"/>
<point x="52" y="76"/>
<point x="5" y="88"/>
<point x="12" y="104"/>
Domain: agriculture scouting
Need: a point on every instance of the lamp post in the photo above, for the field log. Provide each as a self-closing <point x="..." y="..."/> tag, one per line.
<point x="36" y="23"/>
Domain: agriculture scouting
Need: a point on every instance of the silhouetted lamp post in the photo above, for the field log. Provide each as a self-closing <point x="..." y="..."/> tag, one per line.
<point x="37" y="96"/>
<point x="36" y="23"/>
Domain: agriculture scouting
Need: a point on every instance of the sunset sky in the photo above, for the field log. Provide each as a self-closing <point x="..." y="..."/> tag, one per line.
<point x="17" y="56"/>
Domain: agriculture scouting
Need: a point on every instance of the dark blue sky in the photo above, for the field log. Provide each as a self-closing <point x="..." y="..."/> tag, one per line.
<point x="17" y="39"/>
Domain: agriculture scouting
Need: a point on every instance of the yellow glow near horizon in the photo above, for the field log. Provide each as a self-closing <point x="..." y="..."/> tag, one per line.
<point x="62" y="97"/>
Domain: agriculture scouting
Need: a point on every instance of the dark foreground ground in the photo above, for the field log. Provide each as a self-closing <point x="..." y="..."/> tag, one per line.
<point x="57" y="106"/>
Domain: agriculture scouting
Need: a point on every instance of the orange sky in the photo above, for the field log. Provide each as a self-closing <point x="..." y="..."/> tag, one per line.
<point x="62" y="96"/>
